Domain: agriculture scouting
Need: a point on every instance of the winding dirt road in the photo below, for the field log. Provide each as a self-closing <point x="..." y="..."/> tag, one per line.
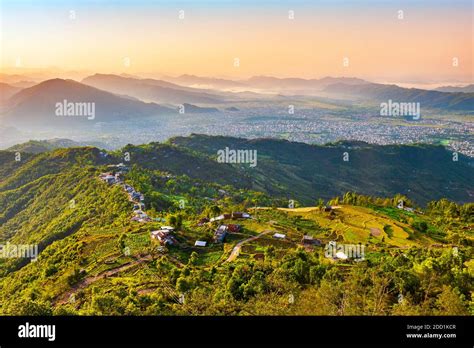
<point x="236" y="251"/>
<point x="63" y="298"/>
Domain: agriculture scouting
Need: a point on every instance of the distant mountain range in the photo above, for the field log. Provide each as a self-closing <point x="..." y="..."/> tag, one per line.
<point x="465" y="89"/>
<point x="459" y="98"/>
<point x="125" y="98"/>
<point x="268" y="82"/>
<point x="193" y="109"/>
<point x="36" y="106"/>
<point x="205" y="82"/>
<point x="6" y="91"/>
<point x="152" y="90"/>
<point x="262" y="82"/>
<point x="18" y="80"/>
<point x="383" y="93"/>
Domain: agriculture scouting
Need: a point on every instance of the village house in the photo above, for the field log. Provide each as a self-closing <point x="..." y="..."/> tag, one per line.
<point x="108" y="178"/>
<point x="234" y="215"/>
<point x="140" y="216"/>
<point x="401" y="205"/>
<point x="217" y="218"/>
<point x="200" y="243"/>
<point x="220" y="234"/>
<point x="165" y="237"/>
<point x="233" y="228"/>
<point x="310" y="241"/>
<point x="240" y="215"/>
<point x="120" y="167"/>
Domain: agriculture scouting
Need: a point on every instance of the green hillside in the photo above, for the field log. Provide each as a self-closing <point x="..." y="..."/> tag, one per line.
<point x="95" y="260"/>
<point x="38" y="146"/>
<point x="304" y="172"/>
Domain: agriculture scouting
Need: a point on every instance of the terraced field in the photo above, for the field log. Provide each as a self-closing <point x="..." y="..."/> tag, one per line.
<point x="353" y="224"/>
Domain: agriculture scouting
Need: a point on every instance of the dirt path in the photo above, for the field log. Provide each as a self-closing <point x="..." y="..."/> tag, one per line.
<point x="236" y="251"/>
<point x="64" y="298"/>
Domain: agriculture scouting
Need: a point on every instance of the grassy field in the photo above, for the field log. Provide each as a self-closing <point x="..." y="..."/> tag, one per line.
<point x="353" y="224"/>
<point x="377" y="228"/>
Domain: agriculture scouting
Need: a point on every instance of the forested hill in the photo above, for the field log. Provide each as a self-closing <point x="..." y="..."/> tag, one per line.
<point x="301" y="171"/>
<point x="283" y="169"/>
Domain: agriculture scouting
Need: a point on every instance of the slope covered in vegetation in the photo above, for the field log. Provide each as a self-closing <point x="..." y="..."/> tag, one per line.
<point x="95" y="260"/>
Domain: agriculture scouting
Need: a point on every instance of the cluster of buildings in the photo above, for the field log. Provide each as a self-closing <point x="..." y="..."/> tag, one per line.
<point x="465" y="147"/>
<point x="317" y="126"/>
<point x="309" y="242"/>
<point x="234" y="215"/>
<point x="115" y="177"/>
<point x="164" y="235"/>
<point x="224" y="229"/>
<point x="138" y="199"/>
<point x="110" y="178"/>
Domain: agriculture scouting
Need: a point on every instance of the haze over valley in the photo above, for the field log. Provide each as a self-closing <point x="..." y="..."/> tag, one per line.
<point x="139" y="110"/>
<point x="221" y="158"/>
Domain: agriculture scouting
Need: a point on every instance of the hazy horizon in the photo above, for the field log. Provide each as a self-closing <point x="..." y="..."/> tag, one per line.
<point x="42" y="74"/>
<point x="360" y="39"/>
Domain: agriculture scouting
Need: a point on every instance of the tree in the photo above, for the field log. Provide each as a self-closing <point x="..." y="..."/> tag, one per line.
<point x="451" y="302"/>
<point x="421" y="226"/>
<point x="215" y="210"/>
<point x="31" y="307"/>
<point x="193" y="258"/>
<point x="320" y="203"/>
<point x="182" y="285"/>
<point x="172" y="220"/>
<point x="269" y="252"/>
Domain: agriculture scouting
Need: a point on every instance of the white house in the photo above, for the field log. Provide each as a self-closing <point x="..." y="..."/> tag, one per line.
<point x="200" y="243"/>
<point x="341" y="255"/>
<point x="217" y="218"/>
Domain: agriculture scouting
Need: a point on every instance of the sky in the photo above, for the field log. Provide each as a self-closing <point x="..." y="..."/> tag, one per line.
<point x="429" y="41"/>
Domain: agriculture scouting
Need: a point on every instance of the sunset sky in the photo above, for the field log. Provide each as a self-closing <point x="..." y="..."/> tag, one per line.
<point x="378" y="45"/>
